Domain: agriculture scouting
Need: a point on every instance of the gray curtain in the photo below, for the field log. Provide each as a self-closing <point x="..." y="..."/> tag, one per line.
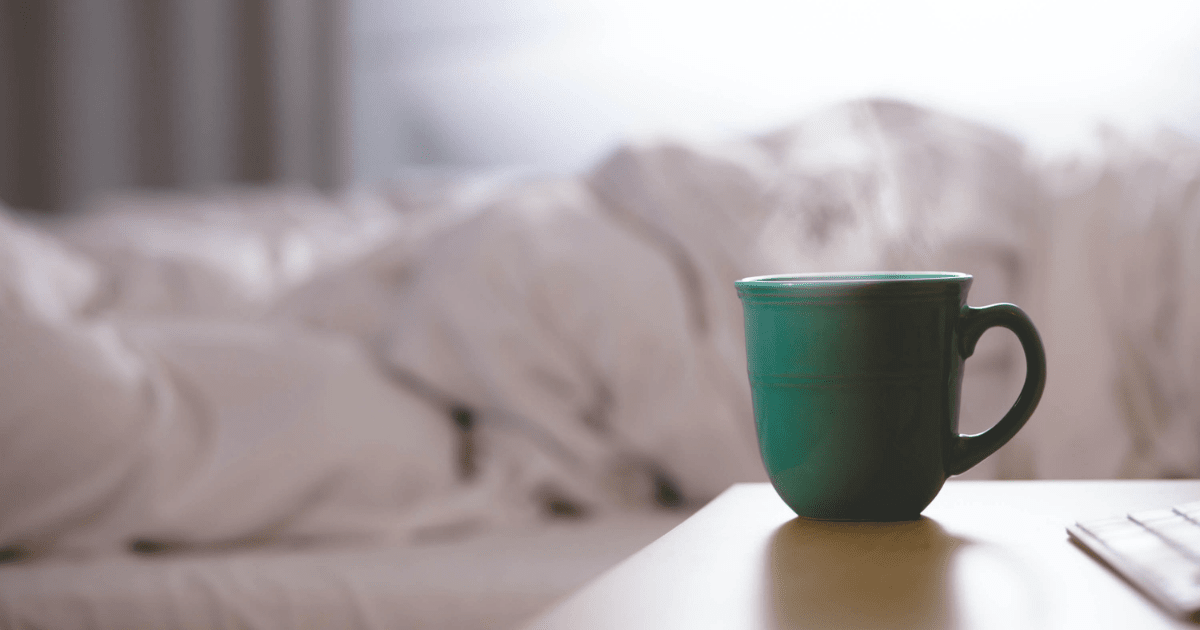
<point x="104" y="94"/>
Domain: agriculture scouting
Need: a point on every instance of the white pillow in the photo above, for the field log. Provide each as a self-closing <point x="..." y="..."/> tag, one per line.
<point x="71" y="398"/>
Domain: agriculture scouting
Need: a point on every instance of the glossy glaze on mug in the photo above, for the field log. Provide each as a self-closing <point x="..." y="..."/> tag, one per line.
<point x="856" y="380"/>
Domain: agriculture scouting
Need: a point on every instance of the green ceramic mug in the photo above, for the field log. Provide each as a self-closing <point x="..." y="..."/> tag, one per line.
<point x="856" y="380"/>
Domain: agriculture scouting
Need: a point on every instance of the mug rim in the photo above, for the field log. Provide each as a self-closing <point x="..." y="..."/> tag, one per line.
<point x="851" y="278"/>
<point x="841" y="282"/>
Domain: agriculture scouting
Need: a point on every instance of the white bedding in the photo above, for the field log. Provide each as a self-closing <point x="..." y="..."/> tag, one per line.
<point x="201" y="374"/>
<point x="495" y="580"/>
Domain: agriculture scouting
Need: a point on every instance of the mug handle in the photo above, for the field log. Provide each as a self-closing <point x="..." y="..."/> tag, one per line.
<point x="967" y="450"/>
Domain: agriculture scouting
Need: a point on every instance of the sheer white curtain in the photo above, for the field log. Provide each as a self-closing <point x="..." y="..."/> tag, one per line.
<point x="559" y="83"/>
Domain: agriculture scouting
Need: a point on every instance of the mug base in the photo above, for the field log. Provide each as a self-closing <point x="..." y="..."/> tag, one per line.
<point x="888" y="519"/>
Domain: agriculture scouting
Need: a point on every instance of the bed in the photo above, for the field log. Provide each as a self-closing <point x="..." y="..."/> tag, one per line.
<point x="447" y="401"/>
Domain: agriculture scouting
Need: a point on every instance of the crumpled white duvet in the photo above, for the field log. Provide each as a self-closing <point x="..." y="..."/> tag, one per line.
<point x="177" y="429"/>
<point x="256" y="368"/>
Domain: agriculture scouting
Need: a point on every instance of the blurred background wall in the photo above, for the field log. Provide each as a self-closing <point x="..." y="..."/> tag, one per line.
<point x="104" y="94"/>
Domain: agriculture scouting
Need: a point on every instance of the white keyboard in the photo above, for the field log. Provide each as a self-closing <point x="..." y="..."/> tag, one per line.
<point x="1158" y="551"/>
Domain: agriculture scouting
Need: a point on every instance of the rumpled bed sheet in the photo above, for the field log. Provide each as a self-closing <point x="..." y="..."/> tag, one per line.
<point x="495" y="580"/>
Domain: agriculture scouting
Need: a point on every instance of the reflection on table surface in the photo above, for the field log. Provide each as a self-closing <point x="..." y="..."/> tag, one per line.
<point x="862" y="575"/>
